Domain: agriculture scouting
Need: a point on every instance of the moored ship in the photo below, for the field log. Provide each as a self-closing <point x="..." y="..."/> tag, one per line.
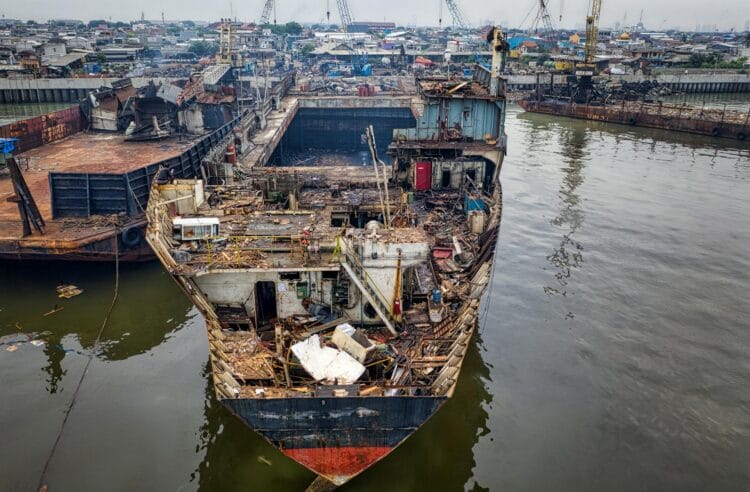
<point x="340" y="300"/>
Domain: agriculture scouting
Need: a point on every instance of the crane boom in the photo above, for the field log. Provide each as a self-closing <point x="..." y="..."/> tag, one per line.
<point x="359" y="57"/>
<point x="592" y="31"/>
<point x="346" y="17"/>
<point x="543" y="17"/>
<point x="458" y="15"/>
<point x="268" y="7"/>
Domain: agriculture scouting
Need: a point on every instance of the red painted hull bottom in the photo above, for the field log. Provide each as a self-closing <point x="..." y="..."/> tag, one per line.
<point x="340" y="464"/>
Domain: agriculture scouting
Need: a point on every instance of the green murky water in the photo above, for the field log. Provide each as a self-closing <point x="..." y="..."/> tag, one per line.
<point x="614" y="355"/>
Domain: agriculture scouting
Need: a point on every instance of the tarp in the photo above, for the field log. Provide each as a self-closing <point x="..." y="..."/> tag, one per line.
<point x="7" y="145"/>
<point x="326" y="363"/>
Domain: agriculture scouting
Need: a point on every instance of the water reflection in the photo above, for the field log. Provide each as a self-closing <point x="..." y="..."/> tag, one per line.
<point x="55" y="354"/>
<point x="149" y="309"/>
<point x="440" y="456"/>
<point x="569" y="254"/>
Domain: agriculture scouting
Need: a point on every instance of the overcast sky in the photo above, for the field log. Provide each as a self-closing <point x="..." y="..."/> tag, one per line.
<point x="660" y="14"/>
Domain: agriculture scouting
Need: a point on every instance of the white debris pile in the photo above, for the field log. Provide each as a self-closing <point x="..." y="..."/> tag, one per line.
<point x="327" y="364"/>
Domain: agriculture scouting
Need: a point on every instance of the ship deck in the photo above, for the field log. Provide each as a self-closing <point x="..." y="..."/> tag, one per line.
<point x="258" y="235"/>
<point x="80" y="153"/>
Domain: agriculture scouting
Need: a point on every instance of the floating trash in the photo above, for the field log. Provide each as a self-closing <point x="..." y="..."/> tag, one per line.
<point x="264" y="460"/>
<point x="55" y="309"/>
<point x="68" y="291"/>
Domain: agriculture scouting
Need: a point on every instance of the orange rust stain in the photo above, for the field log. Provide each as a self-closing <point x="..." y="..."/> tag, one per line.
<point x="343" y="462"/>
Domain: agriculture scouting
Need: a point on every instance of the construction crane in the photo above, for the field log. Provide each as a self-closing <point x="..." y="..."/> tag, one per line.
<point x="459" y="19"/>
<point x="268" y="7"/>
<point x="586" y="70"/>
<point x="542" y="17"/>
<point x="592" y="31"/>
<point x="359" y="56"/>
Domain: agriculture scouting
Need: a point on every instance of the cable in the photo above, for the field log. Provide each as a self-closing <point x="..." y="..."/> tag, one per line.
<point x="42" y="486"/>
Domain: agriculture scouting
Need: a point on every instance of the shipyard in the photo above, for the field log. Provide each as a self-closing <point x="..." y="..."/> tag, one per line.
<point x="294" y="248"/>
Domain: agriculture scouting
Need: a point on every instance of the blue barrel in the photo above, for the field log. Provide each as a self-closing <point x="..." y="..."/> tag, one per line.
<point x="437" y="296"/>
<point x="472" y="203"/>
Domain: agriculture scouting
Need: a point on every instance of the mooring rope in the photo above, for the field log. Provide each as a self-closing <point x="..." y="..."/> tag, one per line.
<point x="42" y="486"/>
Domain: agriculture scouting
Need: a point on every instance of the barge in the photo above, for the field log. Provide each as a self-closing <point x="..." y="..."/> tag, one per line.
<point x="74" y="184"/>
<point x="340" y="300"/>
<point x="683" y="118"/>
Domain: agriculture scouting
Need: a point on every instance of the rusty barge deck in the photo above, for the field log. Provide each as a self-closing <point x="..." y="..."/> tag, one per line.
<point x="91" y="190"/>
<point x="682" y="118"/>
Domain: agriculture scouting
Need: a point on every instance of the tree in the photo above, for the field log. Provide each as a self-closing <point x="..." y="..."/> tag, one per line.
<point x="293" y="28"/>
<point x="714" y="60"/>
<point x="97" y="23"/>
<point x="202" y="48"/>
<point x="306" y="50"/>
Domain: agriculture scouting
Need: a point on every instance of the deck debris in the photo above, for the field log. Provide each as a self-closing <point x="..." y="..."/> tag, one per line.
<point x="327" y="364"/>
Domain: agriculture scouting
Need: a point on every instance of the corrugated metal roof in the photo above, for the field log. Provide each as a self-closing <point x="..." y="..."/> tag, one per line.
<point x="65" y="60"/>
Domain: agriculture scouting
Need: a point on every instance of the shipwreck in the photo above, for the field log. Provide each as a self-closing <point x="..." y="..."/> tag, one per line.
<point x="340" y="300"/>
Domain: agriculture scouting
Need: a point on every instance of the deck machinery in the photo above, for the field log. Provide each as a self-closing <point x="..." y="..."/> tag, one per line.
<point x="340" y="301"/>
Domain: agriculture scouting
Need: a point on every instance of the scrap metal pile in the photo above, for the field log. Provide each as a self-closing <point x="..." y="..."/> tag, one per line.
<point x="294" y="354"/>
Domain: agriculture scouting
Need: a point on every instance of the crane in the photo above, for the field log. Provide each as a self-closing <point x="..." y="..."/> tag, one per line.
<point x="458" y="15"/>
<point x="268" y="7"/>
<point x="543" y="18"/>
<point x="585" y="71"/>
<point x="592" y="31"/>
<point x="359" y="57"/>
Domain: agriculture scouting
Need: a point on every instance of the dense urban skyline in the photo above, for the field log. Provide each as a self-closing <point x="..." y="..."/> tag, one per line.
<point x="686" y="15"/>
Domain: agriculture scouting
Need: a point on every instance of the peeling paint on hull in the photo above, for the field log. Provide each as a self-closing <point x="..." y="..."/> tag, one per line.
<point x="334" y="437"/>
<point x="338" y="465"/>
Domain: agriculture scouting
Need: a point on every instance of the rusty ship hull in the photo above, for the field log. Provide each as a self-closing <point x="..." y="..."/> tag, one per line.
<point x="336" y="438"/>
<point x="340" y="301"/>
<point x="682" y="118"/>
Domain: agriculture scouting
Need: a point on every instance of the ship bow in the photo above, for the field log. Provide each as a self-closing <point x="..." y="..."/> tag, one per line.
<point x="338" y="437"/>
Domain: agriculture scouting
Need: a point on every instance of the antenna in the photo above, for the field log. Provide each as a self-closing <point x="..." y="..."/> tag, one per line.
<point x="440" y="14"/>
<point x="328" y="11"/>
